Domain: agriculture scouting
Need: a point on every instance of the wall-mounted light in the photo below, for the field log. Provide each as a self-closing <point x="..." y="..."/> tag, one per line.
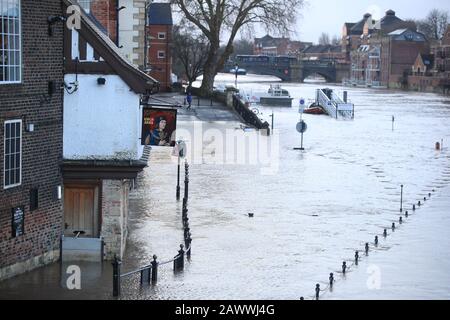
<point x="101" y="81"/>
<point x="121" y="8"/>
<point x="52" y="20"/>
<point x="29" y="127"/>
<point x="58" y="193"/>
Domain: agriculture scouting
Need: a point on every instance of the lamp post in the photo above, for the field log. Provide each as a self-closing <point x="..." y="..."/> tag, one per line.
<point x="236" y="71"/>
<point x="181" y="151"/>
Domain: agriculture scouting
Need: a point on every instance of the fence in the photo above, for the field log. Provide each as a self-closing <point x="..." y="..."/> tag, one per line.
<point x="349" y="264"/>
<point x="248" y="115"/>
<point x="149" y="273"/>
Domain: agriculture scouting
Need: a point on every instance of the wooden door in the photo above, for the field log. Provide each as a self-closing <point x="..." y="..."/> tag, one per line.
<point x="79" y="211"/>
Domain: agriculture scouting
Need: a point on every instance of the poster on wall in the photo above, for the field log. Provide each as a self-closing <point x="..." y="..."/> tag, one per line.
<point x="159" y="126"/>
<point x="18" y="222"/>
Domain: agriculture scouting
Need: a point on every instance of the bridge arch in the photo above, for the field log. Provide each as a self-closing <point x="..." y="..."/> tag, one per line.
<point x="328" y="76"/>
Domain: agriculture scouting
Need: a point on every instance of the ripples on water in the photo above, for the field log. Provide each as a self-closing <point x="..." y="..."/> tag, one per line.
<point x="311" y="215"/>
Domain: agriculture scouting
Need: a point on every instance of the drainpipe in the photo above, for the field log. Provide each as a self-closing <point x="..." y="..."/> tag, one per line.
<point x="117" y="22"/>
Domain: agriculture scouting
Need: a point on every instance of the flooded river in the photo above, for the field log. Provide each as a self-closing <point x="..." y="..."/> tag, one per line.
<point x="312" y="209"/>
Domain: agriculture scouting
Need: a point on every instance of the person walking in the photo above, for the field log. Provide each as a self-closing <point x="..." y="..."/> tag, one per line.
<point x="189" y="100"/>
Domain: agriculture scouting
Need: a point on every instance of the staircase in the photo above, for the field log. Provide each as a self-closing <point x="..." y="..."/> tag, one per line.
<point x="333" y="105"/>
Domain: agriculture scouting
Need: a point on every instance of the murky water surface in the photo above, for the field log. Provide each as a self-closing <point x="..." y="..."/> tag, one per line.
<point x="309" y="215"/>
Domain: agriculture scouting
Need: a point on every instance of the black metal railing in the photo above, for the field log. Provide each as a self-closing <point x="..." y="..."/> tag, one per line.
<point x="149" y="273"/>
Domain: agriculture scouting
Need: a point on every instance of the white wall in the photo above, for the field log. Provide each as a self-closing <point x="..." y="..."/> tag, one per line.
<point x="102" y="122"/>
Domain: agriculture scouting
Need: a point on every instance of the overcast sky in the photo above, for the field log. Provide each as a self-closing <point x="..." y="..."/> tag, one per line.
<point x="330" y="15"/>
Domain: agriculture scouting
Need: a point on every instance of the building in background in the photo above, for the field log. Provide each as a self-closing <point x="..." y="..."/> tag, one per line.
<point x="159" y="33"/>
<point x="385" y="50"/>
<point x="271" y="46"/>
<point x="31" y="134"/>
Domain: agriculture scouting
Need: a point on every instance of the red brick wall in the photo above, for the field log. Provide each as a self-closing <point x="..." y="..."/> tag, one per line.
<point x="161" y="68"/>
<point x="404" y="54"/>
<point x="42" y="149"/>
<point x="105" y="12"/>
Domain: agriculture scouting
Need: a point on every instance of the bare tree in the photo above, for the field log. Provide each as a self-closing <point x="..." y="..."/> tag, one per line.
<point x="434" y="25"/>
<point x="190" y="51"/>
<point x="324" y="39"/>
<point x="335" y="41"/>
<point x="224" y="18"/>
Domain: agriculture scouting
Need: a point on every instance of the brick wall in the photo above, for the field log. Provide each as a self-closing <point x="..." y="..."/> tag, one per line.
<point x="105" y="12"/>
<point x="161" y="68"/>
<point x="115" y="217"/>
<point x="41" y="150"/>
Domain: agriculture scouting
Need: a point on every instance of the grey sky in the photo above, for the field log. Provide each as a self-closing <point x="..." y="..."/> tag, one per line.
<point x="329" y="16"/>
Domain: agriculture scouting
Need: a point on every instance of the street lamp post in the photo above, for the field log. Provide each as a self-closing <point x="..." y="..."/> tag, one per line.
<point x="236" y="71"/>
<point x="181" y="148"/>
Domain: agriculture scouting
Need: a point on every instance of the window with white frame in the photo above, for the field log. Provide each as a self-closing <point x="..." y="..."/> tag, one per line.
<point x="10" y="42"/>
<point x="85" y="4"/>
<point x="161" y="54"/>
<point x="161" y="35"/>
<point x="12" y="173"/>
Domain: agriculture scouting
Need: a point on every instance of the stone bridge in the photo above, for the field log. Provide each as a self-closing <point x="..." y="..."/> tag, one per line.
<point x="296" y="71"/>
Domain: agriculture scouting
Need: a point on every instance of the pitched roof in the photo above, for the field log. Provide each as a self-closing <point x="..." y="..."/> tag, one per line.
<point x="160" y="14"/>
<point x="407" y="35"/>
<point x="390" y="22"/>
<point x="358" y="27"/>
<point x="322" y="49"/>
<point x="137" y="80"/>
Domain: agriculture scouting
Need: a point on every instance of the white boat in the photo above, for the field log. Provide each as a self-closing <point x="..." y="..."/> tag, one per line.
<point x="275" y="96"/>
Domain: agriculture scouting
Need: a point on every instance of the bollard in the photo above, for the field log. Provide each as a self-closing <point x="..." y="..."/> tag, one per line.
<point x="376" y="240"/>
<point x="438" y="146"/>
<point x="188" y="242"/>
<point x="344" y="267"/>
<point x="419" y="203"/>
<point x="356" y="257"/>
<point x="317" y="291"/>
<point x="429" y="195"/>
<point x="154" y="264"/>
<point x="400" y="220"/>
<point x="116" y="276"/>
<point x="424" y="199"/>
<point x="181" y="258"/>
<point x="385" y="233"/>
<point x="414" y="207"/>
<point x="367" y="249"/>
<point x="186" y="232"/>
<point x="401" y="199"/>
<point x="393" y="226"/>
<point x="331" y="279"/>
<point x="407" y="214"/>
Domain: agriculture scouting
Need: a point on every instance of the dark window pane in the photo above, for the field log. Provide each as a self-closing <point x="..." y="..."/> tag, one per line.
<point x="8" y="131"/>
<point x="17" y="176"/>
<point x="17" y="145"/>
<point x="17" y="130"/>
<point x="7" y="166"/>
<point x="7" y="178"/>
<point x="7" y="146"/>
<point x="18" y="161"/>
<point x="13" y="147"/>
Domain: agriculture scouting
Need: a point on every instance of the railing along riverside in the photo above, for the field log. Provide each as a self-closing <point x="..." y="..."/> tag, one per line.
<point x="149" y="273"/>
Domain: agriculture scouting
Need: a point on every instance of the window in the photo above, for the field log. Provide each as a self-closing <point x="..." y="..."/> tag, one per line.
<point x="13" y="154"/>
<point x="85" y="4"/>
<point x="161" y="35"/>
<point x="10" y="42"/>
<point x="161" y="54"/>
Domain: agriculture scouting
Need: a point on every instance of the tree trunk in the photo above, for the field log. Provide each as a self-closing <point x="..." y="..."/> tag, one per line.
<point x="207" y="87"/>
